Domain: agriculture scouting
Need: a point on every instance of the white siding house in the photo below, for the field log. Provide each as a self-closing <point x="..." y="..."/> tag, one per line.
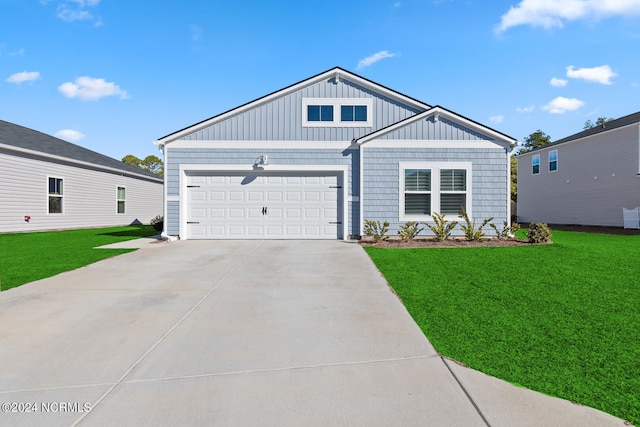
<point x="50" y="184"/>
<point x="317" y="158"/>
<point x="584" y="179"/>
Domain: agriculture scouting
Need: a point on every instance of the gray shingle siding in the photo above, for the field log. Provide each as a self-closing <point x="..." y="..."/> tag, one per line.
<point x="381" y="181"/>
<point x="430" y="129"/>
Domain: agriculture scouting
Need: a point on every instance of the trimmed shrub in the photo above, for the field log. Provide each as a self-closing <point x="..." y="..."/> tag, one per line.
<point x="507" y="231"/>
<point x="157" y="223"/>
<point x="539" y="233"/>
<point x="470" y="230"/>
<point x="409" y="231"/>
<point x="443" y="228"/>
<point x="376" y="229"/>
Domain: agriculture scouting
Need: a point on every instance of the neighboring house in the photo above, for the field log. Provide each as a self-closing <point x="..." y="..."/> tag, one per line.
<point x="47" y="184"/>
<point x="586" y="178"/>
<point x="317" y="158"/>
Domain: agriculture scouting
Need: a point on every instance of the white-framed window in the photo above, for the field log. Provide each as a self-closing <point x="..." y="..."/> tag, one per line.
<point x="337" y="112"/>
<point x="56" y="195"/>
<point x="535" y="164"/>
<point x="440" y="187"/>
<point x="553" y="160"/>
<point x="121" y="198"/>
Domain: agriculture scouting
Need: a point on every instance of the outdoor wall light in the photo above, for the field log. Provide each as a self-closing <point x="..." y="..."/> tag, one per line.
<point x="263" y="160"/>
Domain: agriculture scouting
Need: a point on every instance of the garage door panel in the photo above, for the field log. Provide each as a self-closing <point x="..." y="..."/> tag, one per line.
<point x="255" y="205"/>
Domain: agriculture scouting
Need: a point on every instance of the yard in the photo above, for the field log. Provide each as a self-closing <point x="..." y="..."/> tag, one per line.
<point x="562" y="319"/>
<point x="26" y="257"/>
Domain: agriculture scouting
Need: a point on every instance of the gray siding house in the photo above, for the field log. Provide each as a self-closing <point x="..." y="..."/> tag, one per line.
<point x="49" y="184"/>
<point x="586" y="179"/>
<point x="317" y="158"/>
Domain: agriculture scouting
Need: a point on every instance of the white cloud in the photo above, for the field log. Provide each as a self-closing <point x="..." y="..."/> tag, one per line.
<point x="91" y="89"/>
<point x="528" y="109"/>
<point x="558" y="82"/>
<point x="561" y="105"/>
<point x="25" y="76"/>
<point x="602" y="74"/>
<point x="497" y="119"/>
<point x="69" y="135"/>
<point x="370" y="60"/>
<point x="19" y="52"/>
<point x="635" y="84"/>
<point x="397" y="4"/>
<point x="70" y="15"/>
<point x="76" y="10"/>
<point x="554" y="13"/>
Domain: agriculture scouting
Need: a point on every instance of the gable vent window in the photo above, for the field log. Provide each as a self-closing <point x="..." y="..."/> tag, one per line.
<point x="353" y="113"/>
<point x="320" y="113"/>
<point x="337" y="112"/>
<point x="553" y="160"/>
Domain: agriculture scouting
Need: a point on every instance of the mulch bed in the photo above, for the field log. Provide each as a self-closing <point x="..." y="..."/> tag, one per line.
<point x="449" y="243"/>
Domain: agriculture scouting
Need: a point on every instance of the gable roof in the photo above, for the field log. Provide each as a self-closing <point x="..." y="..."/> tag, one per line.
<point x="335" y="73"/>
<point x="440" y="111"/>
<point x="613" y="124"/>
<point x="28" y="141"/>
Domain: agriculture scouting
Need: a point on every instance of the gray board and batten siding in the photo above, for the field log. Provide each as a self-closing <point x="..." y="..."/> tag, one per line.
<point x="598" y="174"/>
<point x="281" y="119"/>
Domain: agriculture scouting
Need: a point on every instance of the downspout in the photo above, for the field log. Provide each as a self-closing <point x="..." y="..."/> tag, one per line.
<point x="361" y="198"/>
<point x="164" y="234"/>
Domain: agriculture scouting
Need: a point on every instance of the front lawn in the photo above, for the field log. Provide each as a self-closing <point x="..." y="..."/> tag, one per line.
<point x="26" y="257"/>
<point x="562" y="319"/>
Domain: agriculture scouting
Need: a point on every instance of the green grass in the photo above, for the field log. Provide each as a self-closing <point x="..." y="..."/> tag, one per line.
<point x="562" y="319"/>
<point x="26" y="257"/>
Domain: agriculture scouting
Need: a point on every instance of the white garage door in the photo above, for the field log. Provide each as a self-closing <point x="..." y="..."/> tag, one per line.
<point x="259" y="205"/>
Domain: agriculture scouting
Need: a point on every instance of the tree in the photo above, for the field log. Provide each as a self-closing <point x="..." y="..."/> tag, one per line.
<point x="536" y="140"/>
<point x="150" y="163"/>
<point x="599" y="122"/>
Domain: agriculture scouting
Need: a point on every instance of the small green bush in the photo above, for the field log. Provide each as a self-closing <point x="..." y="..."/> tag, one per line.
<point x="539" y="233"/>
<point x="470" y="230"/>
<point x="157" y="223"/>
<point x="507" y="231"/>
<point x="443" y="228"/>
<point x="410" y="230"/>
<point x="376" y="230"/>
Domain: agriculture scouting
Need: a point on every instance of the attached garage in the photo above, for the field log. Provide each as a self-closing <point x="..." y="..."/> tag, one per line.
<point x="264" y="204"/>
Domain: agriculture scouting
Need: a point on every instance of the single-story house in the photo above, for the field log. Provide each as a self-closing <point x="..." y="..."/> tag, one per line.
<point x="317" y="158"/>
<point x="585" y="179"/>
<point x="49" y="184"/>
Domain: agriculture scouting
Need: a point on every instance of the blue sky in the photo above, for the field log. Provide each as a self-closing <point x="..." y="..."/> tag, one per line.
<point x="114" y="75"/>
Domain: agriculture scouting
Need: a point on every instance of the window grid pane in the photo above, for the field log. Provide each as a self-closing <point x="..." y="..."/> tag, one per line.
<point x="360" y="113"/>
<point x="326" y="113"/>
<point x="121" y="193"/>
<point x="313" y="113"/>
<point x="417" y="204"/>
<point x="451" y="203"/>
<point x="346" y="113"/>
<point x="417" y="180"/>
<point x="453" y="180"/>
<point x="55" y="204"/>
<point x="120" y="206"/>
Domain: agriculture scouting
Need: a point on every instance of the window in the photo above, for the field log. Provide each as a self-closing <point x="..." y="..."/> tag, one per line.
<point x="55" y="195"/>
<point x="535" y="163"/>
<point x="453" y="191"/>
<point x="353" y="113"/>
<point x="417" y="191"/>
<point x="121" y="198"/>
<point x="426" y="188"/>
<point x="553" y="160"/>
<point x="337" y="112"/>
<point x="320" y="113"/>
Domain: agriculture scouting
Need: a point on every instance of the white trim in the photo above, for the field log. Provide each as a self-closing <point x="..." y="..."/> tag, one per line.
<point x="435" y="191"/>
<point x="403" y="143"/>
<point x="361" y="225"/>
<point x="262" y="145"/>
<point x="337" y="103"/>
<point x="329" y="74"/>
<point x="341" y="170"/>
<point x="440" y="112"/>
<point x="76" y="162"/>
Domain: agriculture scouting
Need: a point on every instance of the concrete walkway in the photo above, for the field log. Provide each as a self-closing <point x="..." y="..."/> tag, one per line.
<point x="240" y="333"/>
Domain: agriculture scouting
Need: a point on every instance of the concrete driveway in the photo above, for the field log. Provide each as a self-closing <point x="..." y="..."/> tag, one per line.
<point x="240" y="333"/>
